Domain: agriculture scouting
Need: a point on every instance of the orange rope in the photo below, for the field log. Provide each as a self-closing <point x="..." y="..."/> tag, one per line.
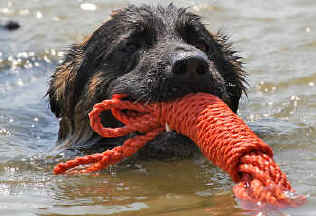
<point x="221" y="135"/>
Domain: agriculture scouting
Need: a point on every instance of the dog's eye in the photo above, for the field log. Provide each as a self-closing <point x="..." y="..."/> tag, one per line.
<point x="201" y="45"/>
<point x="131" y="47"/>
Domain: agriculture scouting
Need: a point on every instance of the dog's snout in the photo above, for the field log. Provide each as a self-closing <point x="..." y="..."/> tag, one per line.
<point x="190" y="66"/>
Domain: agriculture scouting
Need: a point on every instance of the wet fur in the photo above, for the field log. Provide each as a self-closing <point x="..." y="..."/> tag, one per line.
<point x="128" y="54"/>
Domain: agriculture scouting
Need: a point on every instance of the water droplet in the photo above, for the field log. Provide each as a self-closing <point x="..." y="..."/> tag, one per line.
<point x="22" y="55"/>
<point x="308" y="29"/>
<point x="4" y="132"/>
<point x="24" y="12"/>
<point x="39" y="15"/>
<point x="290" y="195"/>
<point x="252" y="117"/>
<point x="28" y="64"/>
<point x="60" y="54"/>
<point x="10" y="58"/>
<point x="88" y="6"/>
<point x="53" y="52"/>
<point x="295" y="98"/>
<point x="4" y="10"/>
<point x="20" y="82"/>
<point x="46" y="59"/>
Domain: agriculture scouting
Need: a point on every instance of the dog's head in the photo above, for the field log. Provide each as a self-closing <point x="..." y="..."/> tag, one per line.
<point x="150" y="54"/>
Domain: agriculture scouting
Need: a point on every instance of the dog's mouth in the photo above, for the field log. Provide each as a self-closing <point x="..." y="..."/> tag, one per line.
<point x="167" y="145"/>
<point x="169" y="91"/>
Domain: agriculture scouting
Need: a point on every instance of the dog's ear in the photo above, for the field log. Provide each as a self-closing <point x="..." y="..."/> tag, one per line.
<point x="80" y="62"/>
<point x="63" y="92"/>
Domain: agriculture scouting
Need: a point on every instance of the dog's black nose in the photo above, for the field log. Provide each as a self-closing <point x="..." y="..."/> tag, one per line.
<point x="190" y="66"/>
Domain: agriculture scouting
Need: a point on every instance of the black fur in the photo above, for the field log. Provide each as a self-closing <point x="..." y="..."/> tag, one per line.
<point x="151" y="54"/>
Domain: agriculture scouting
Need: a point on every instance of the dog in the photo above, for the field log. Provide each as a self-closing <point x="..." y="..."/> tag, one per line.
<point x="151" y="54"/>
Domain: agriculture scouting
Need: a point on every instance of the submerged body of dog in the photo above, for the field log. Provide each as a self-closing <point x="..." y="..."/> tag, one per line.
<point x="150" y="54"/>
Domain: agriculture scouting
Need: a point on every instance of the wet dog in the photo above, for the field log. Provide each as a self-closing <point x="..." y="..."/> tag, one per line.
<point x="151" y="54"/>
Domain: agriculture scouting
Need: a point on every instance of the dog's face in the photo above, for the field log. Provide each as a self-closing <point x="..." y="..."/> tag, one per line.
<point x="150" y="54"/>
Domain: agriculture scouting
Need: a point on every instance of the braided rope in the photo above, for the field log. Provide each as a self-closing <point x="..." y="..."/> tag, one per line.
<point x="221" y="135"/>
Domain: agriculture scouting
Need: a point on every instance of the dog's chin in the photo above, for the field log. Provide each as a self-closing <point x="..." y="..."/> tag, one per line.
<point x="169" y="145"/>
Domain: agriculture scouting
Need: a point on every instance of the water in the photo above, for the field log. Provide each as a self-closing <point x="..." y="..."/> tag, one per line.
<point x="277" y="40"/>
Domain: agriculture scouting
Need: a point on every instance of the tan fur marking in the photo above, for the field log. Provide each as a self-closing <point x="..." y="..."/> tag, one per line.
<point x="85" y="40"/>
<point x="94" y="83"/>
<point x="62" y="74"/>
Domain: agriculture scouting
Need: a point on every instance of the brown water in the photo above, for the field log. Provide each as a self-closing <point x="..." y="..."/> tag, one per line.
<point x="278" y="41"/>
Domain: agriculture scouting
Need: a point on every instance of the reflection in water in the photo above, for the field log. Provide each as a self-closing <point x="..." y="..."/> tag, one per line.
<point x="278" y="43"/>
